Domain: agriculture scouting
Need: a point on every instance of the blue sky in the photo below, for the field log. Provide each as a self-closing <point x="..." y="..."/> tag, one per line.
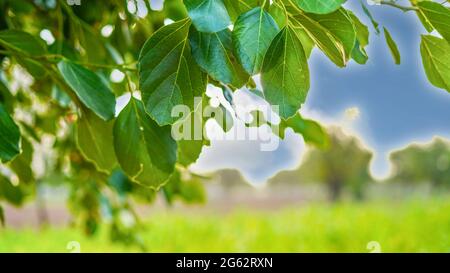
<point x="398" y="105"/>
<point x="396" y="102"/>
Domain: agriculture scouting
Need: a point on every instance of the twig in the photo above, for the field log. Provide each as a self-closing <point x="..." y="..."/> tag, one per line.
<point x="395" y="5"/>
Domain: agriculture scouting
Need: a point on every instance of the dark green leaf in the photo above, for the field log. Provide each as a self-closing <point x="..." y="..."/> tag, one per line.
<point x="95" y="141"/>
<point x="208" y="15"/>
<point x="168" y="74"/>
<point x="214" y="54"/>
<point x="6" y="98"/>
<point x="22" y="42"/>
<point x="90" y="88"/>
<point x="145" y="151"/>
<point x="285" y="73"/>
<point x="252" y="34"/>
<point x="10" y="193"/>
<point x="190" y="191"/>
<point x="27" y="45"/>
<point x="9" y="136"/>
<point x="2" y="216"/>
<point x="21" y="165"/>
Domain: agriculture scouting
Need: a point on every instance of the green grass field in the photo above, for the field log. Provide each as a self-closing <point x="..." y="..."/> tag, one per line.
<point x="419" y="225"/>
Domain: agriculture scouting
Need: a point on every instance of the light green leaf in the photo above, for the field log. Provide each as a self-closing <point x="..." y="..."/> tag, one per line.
<point x="95" y="140"/>
<point x="425" y="22"/>
<point x="208" y="15"/>
<point x="146" y="152"/>
<point x="285" y="73"/>
<point x="437" y="16"/>
<point x="392" y="46"/>
<point x="436" y="60"/>
<point x="312" y="132"/>
<point x="238" y="7"/>
<point x="359" y="54"/>
<point x="214" y="54"/>
<point x="9" y="136"/>
<point x="27" y="45"/>
<point x="252" y="34"/>
<point x="168" y="74"/>
<point x="333" y="33"/>
<point x="319" y="6"/>
<point x="341" y="26"/>
<point x="277" y="12"/>
<point x="90" y="89"/>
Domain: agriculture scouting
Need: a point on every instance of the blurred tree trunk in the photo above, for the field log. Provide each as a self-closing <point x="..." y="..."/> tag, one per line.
<point x="334" y="189"/>
<point x="41" y="207"/>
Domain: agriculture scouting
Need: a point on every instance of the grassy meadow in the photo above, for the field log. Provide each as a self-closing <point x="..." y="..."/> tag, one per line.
<point x="416" y="225"/>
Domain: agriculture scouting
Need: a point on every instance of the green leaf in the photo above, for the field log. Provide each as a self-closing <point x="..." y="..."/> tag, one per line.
<point x="90" y="88"/>
<point x="168" y="74"/>
<point x="277" y="12"/>
<point x="146" y="152"/>
<point x="237" y="7"/>
<point x="392" y="46"/>
<point x="208" y="15"/>
<point x="311" y="131"/>
<point x="333" y="33"/>
<point x="190" y="191"/>
<point x="22" y="42"/>
<point x="21" y="165"/>
<point x="191" y="146"/>
<point x="214" y="54"/>
<point x="319" y="6"/>
<point x="95" y="141"/>
<point x="436" y="60"/>
<point x="285" y="73"/>
<point x="92" y="43"/>
<point x="2" y="216"/>
<point x="9" y="136"/>
<point x="12" y="194"/>
<point x="28" y="45"/>
<point x="222" y="117"/>
<point x="341" y="26"/>
<point x="375" y="24"/>
<point x="252" y="34"/>
<point x="359" y="54"/>
<point x="438" y="16"/>
<point x="426" y="24"/>
<point x="6" y="98"/>
<point x="307" y="43"/>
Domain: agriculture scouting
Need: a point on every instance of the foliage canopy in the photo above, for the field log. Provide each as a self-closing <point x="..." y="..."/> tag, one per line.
<point x="165" y="57"/>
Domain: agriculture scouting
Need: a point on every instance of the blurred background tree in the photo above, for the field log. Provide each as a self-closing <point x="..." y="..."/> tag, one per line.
<point x="342" y="167"/>
<point x="423" y="163"/>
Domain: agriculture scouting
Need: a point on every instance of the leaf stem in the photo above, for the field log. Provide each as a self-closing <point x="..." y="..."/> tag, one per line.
<point x="393" y="3"/>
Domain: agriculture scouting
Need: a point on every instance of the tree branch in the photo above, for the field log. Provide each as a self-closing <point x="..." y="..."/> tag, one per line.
<point x="395" y="5"/>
